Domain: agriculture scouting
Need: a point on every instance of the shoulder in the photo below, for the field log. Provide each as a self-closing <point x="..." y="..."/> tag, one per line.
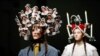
<point x="24" y="50"/>
<point x="52" y="51"/>
<point x="68" y="49"/>
<point x="51" y="48"/>
<point x="91" y="47"/>
<point x="69" y="46"/>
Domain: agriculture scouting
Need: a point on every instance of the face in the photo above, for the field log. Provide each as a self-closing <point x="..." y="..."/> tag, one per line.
<point x="43" y="9"/>
<point x="36" y="32"/>
<point x="78" y="35"/>
<point x="24" y="18"/>
<point x="49" y="17"/>
<point x="27" y="8"/>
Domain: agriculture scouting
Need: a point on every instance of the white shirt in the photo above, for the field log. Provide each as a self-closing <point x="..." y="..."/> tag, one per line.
<point x="91" y="50"/>
<point x="79" y="50"/>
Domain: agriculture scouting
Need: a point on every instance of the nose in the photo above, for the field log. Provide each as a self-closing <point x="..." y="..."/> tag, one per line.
<point x="34" y="32"/>
<point x="75" y="35"/>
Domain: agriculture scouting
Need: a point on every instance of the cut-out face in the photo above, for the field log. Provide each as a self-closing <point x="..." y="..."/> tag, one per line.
<point x="78" y="35"/>
<point x="27" y="7"/>
<point x="43" y="8"/>
<point x="37" y="32"/>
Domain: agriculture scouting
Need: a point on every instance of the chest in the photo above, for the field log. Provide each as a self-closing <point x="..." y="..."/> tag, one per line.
<point x="79" y="51"/>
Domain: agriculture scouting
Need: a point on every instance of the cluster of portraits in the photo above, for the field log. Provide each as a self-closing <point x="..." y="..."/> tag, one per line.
<point x="36" y="24"/>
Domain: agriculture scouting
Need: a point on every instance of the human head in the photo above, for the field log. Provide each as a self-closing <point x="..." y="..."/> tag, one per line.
<point x="37" y="31"/>
<point x="27" y="7"/>
<point x="43" y="8"/>
<point x="78" y="34"/>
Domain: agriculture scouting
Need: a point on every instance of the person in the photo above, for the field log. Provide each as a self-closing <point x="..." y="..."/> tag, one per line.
<point x="39" y="46"/>
<point x="36" y="33"/>
<point x="79" y="47"/>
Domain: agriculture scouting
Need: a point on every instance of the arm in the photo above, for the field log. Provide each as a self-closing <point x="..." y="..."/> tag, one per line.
<point x="65" y="52"/>
<point x="95" y="53"/>
<point x="20" y="53"/>
<point x="53" y="53"/>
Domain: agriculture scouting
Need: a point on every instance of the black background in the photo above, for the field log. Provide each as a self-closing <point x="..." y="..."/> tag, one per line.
<point x="11" y="43"/>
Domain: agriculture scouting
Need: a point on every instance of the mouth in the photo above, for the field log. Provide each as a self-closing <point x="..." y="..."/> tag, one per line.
<point x="35" y="35"/>
<point x="76" y="37"/>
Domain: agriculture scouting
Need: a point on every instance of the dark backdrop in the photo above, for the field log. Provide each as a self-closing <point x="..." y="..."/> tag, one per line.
<point x="11" y="43"/>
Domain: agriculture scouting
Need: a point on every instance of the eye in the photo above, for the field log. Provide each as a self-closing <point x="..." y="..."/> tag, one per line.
<point x="78" y="32"/>
<point x="73" y="32"/>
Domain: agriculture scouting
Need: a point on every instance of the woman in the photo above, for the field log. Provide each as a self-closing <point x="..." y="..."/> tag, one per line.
<point x="39" y="46"/>
<point x="80" y="47"/>
<point x="37" y="32"/>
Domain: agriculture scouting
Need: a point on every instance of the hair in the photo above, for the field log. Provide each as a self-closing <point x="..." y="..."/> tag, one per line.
<point x="84" y="41"/>
<point x="41" y="40"/>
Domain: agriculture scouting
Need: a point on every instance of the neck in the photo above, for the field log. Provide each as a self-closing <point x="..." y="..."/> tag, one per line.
<point x="79" y="42"/>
